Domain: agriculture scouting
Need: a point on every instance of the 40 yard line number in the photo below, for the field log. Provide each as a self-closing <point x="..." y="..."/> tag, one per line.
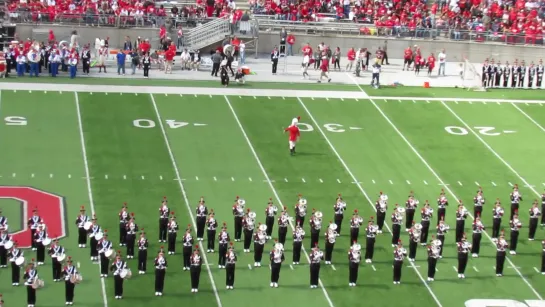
<point x="148" y="123"/>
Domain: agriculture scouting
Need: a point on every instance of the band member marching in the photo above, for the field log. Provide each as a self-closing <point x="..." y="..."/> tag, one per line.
<point x="93" y="232"/>
<point x="497" y="213"/>
<point x="123" y="220"/>
<point x="40" y="237"/>
<point x="414" y="238"/>
<point x="461" y="215"/>
<point x="276" y="257"/>
<point x="339" y="208"/>
<point x="230" y="268"/>
<point x="260" y="238"/>
<point x="142" y="253"/>
<point x="485" y="73"/>
<point x="132" y="229"/>
<point x="531" y="74"/>
<point x="426" y="213"/>
<point x="16" y="258"/>
<point x="315" y="227"/>
<point x="82" y="232"/>
<point x="33" y="224"/>
<point x="195" y="270"/>
<point x="172" y="230"/>
<point x="442" y="230"/>
<point x="117" y="267"/>
<point x="515" y="226"/>
<point x="410" y="207"/>
<point x="3" y="222"/>
<point x="478" y="203"/>
<point x="248" y="224"/>
<point x="442" y="204"/>
<point x="516" y="198"/>
<point x="354" y="258"/>
<point x="270" y="212"/>
<point x="434" y="252"/>
<point x="224" y="240"/>
<point x="478" y="228"/>
<point x="56" y="251"/>
<point x="515" y="69"/>
<point x="370" y="234"/>
<point x="298" y="236"/>
<point x="498" y="71"/>
<point x="330" y="238"/>
<point x="381" y="206"/>
<point x="161" y="265"/>
<point x="355" y="223"/>
<point x="71" y="278"/>
<point x="104" y="250"/>
<point x="300" y="210"/>
<point x="211" y="225"/>
<point x="202" y="213"/>
<point x="187" y="243"/>
<point x="522" y="74"/>
<point x="4" y="246"/>
<point x="543" y="209"/>
<point x="535" y="213"/>
<point x="283" y="221"/>
<point x="501" y="247"/>
<point x="506" y="74"/>
<point x="399" y="254"/>
<point x="463" y="249"/>
<point x="316" y="257"/>
<point x="539" y="73"/>
<point x="163" y="222"/>
<point x="30" y="276"/>
<point x="543" y="257"/>
<point x="238" y="213"/>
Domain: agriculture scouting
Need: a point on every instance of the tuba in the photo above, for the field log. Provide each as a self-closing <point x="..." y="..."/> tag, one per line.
<point x="382" y="206"/>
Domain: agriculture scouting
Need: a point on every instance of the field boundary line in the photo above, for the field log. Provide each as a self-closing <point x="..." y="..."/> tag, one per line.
<point x="358" y="184"/>
<point x="273" y="189"/>
<point x="184" y="195"/>
<point x="529" y="117"/>
<point x="439" y="99"/>
<point x="88" y="182"/>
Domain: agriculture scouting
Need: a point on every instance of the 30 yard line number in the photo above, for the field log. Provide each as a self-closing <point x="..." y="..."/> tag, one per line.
<point x="304" y="127"/>
<point x="488" y="131"/>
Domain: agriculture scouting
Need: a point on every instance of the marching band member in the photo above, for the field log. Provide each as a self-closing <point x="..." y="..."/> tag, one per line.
<point x="276" y="257"/>
<point x="442" y="230"/>
<point x="497" y="213"/>
<point x="211" y="226"/>
<point x="399" y="254"/>
<point x="283" y="221"/>
<point x="13" y="254"/>
<point x="531" y="74"/>
<point x="21" y="65"/>
<point x="260" y="238"/>
<point x="414" y="238"/>
<point x="39" y="237"/>
<point x="172" y="229"/>
<point x="522" y="74"/>
<point x="55" y="251"/>
<point x="381" y="206"/>
<point x="515" y="69"/>
<point x="298" y="236"/>
<point x="478" y="228"/>
<point x="118" y="266"/>
<point x="238" y="213"/>
<point x="434" y="251"/>
<point x="461" y="215"/>
<point x="270" y="212"/>
<point x="371" y="234"/>
<point x="31" y="274"/>
<point x="354" y="258"/>
<point x="86" y="59"/>
<point x="123" y="221"/>
<point x="160" y="270"/>
<point x="315" y="227"/>
<point x="355" y="223"/>
<point x="73" y="60"/>
<point x="4" y="238"/>
<point x="230" y="267"/>
<point x="132" y="229"/>
<point x="248" y="224"/>
<point x="196" y="262"/>
<point x="535" y="213"/>
<point x="224" y="240"/>
<point x="542" y="201"/>
<point x="497" y="72"/>
<point x="543" y="257"/>
<point x="82" y="232"/>
<point x="3" y="222"/>
<point x="93" y="231"/>
<point x="300" y="210"/>
<point x="463" y="249"/>
<point x="102" y="55"/>
<point x="34" y="60"/>
<point x="516" y="198"/>
<point x="410" y="207"/>
<point x="539" y="73"/>
<point x="201" y="212"/>
<point x="70" y="274"/>
<point x="330" y="238"/>
<point x="339" y="208"/>
<point x="478" y="203"/>
<point x="142" y="253"/>
<point x="187" y="242"/>
<point x="316" y="257"/>
<point x="426" y="213"/>
<point x="515" y="226"/>
<point x="103" y="246"/>
<point x="442" y="204"/>
<point x="163" y="222"/>
<point x="501" y="246"/>
<point x="506" y="73"/>
<point x="54" y="61"/>
<point x="33" y="224"/>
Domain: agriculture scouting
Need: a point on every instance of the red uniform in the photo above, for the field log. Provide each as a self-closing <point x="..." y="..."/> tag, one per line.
<point x="294" y="133"/>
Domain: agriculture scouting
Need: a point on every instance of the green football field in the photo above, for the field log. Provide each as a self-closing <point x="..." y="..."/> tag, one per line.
<point x="101" y="143"/>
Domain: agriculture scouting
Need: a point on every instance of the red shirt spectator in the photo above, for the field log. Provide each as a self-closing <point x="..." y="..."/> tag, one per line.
<point x="351" y="54"/>
<point x="169" y="54"/>
<point x="291" y="39"/>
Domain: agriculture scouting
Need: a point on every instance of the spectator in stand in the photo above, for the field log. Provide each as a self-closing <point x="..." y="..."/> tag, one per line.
<point x="51" y="37"/>
<point x="162" y="34"/>
<point x="291" y="41"/>
<point x="127" y="45"/>
<point x="442" y="62"/>
<point x="180" y="41"/>
<point x="121" y="58"/>
<point x="210" y="8"/>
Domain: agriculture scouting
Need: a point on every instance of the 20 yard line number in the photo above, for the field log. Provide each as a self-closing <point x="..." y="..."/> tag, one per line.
<point x="488" y="131"/>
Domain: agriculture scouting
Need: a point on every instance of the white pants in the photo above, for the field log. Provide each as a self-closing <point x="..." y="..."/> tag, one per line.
<point x="292" y="144"/>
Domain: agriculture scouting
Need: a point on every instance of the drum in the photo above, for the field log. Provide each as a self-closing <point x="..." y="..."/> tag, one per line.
<point x="19" y="261"/>
<point x="87" y="225"/>
<point x="245" y="70"/>
<point x="99" y="236"/>
<point x="108" y="253"/>
<point x="46" y="241"/>
<point x="61" y="257"/>
<point x="38" y="283"/>
<point x="76" y="278"/>
<point x="125" y="274"/>
<point x="8" y="245"/>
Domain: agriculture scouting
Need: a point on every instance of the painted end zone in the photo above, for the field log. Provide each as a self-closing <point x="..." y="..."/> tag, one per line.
<point x="50" y="208"/>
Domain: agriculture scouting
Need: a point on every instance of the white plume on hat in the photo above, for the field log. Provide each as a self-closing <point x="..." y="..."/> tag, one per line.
<point x="295" y="120"/>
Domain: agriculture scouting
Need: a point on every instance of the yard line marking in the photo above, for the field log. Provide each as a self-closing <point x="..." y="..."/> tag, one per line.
<point x="196" y="178"/>
<point x="459" y="183"/>
<point x="498" y="103"/>
<point x="143" y="178"/>
<point x="215" y="179"/>
<point x="371" y="203"/>
<point x="160" y="177"/>
<point x="408" y="182"/>
<point x="89" y="190"/>
<point x="373" y="180"/>
<point x="493" y="183"/>
<point x="425" y="182"/>
<point x="427" y="101"/>
<point x="470" y="102"/>
<point x="327" y="99"/>
<point x="70" y="176"/>
<point x="50" y="175"/>
<point x="526" y="104"/>
<point x="413" y="266"/>
<point x="267" y="97"/>
<point x="13" y="175"/>
<point x="342" y="99"/>
<point x="510" y="183"/>
<point x="273" y="189"/>
<point x="484" y="102"/>
<point x="284" y="98"/>
<point x="397" y="100"/>
<point x="286" y="179"/>
<point x="303" y="179"/>
<point x="535" y="269"/>
<point x="312" y="98"/>
<point x="250" y="178"/>
<point x="31" y="175"/>
<point x="455" y="269"/>
<point x="391" y="182"/>
<point x="475" y="268"/>
<point x="255" y="97"/>
<point x="333" y="267"/>
<point x="210" y="96"/>
<point x="291" y="267"/>
<point x="249" y="266"/>
<point x="321" y="181"/>
<point x="105" y="176"/>
<point x="456" y="102"/>
<point x="338" y="181"/>
<point x="528" y="117"/>
<point x="195" y="95"/>
<point x="232" y="178"/>
<point x="414" y="101"/>
<point x="436" y="270"/>
<point x="373" y="267"/>
<point x="476" y="183"/>
<point x="125" y="177"/>
<point x="184" y="195"/>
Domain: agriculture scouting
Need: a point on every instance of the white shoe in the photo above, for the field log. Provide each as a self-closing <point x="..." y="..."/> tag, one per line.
<point x="192" y="290"/>
<point x="474" y="255"/>
<point x="196" y="290"/>
<point x="272" y="284"/>
<point x="459" y="275"/>
<point x="211" y="250"/>
<point x="156" y="293"/>
<point x="512" y="252"/>
<point x="311" y="286"/>
<point x="542" y="273"/>
<point x="207" y="250"/>
<point x="227" y="287"/>
<point x="530" y="239"/>
<point x="463" y="276"/>
<point x="160" y="293"/>
<point x="276" y="285"/>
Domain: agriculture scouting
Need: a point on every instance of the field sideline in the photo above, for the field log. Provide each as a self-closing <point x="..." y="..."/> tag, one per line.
<point x="102" y="145"/>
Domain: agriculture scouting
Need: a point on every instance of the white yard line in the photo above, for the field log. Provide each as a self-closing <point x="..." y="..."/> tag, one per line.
<point x="184" y="195"/>
<point x="528" y="117"/>
<point x="273" y="189"/>
<point x="88" y="181"/>
<point x="361" y="189"/>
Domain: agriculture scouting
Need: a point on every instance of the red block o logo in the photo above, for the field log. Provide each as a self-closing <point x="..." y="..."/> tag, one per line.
<point x="50" y="207"/>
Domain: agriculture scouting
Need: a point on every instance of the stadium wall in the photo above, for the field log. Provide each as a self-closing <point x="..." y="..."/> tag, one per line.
<point x="476" y="52"/>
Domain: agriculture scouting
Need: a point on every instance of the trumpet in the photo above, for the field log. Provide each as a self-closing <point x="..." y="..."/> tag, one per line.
<point x="300" y="231"/>
<point x="302" y="209"/>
